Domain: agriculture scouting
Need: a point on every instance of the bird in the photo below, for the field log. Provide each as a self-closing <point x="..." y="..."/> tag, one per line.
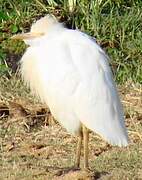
<point x="70" y="73"/>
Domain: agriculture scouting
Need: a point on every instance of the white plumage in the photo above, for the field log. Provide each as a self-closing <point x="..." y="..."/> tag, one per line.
<point x="69" y="71"/>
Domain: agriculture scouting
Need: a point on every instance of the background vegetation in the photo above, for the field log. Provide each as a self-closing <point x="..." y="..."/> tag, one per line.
<point x="116" y="24"/>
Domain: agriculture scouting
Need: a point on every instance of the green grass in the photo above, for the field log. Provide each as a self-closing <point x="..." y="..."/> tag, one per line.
<point x="115" y="24"/>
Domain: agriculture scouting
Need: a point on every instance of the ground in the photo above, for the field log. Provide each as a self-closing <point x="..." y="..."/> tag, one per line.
<point x="33" y="146"/>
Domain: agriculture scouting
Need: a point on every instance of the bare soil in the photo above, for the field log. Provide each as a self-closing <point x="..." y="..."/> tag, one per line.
<point x="34" y="146"/>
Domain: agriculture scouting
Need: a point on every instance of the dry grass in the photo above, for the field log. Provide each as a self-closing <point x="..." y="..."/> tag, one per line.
<point x="30" y="149"/>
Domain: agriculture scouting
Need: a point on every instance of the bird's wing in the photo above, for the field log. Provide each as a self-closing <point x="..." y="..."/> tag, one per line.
<point x="96" y="101"/>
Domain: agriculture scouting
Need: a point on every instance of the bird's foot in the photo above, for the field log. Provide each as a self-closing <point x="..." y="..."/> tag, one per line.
<point x="87" y="169"/>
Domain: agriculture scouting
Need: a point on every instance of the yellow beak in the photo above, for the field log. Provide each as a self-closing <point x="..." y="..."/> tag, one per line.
<point x="30" y="35"/>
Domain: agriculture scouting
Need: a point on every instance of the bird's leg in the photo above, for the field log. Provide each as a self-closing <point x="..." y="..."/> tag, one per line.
<point x="86" y="150"/>
<point x="78" y="152"/>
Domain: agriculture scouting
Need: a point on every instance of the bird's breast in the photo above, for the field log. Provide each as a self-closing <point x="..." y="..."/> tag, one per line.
<point x="54" y="82"/>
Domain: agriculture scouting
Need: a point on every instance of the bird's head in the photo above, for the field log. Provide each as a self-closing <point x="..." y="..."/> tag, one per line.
<point x="38" y="30"/>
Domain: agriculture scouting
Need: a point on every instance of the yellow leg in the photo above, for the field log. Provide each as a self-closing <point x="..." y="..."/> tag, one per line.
<point x="86" y="150"/>
<point x="78" y="152"/>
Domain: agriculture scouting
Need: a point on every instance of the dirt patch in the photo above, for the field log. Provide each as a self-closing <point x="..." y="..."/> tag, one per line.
<point x="35" y="146"/>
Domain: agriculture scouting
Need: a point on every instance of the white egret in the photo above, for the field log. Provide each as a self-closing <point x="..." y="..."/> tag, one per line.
<point x="70" y="72"/>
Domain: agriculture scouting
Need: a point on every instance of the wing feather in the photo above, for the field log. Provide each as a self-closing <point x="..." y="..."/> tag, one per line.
<point x="96" y="100"/>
